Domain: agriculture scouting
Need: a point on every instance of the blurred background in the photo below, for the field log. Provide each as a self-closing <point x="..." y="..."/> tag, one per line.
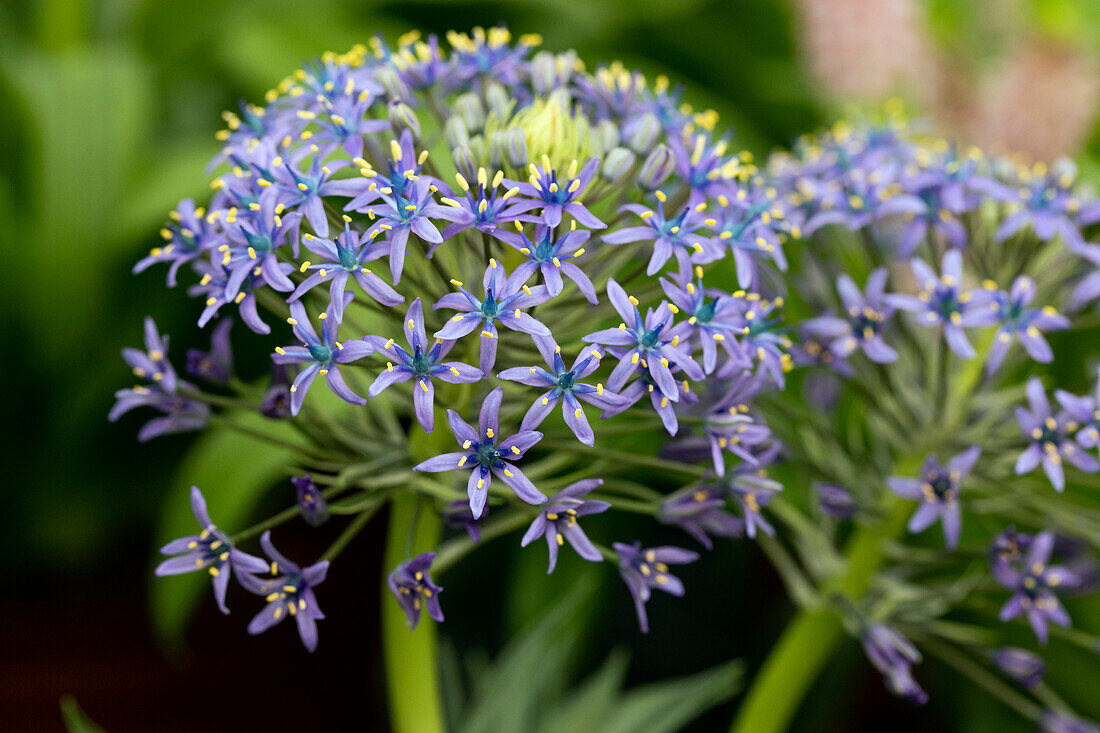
<point x="107" y="114"/>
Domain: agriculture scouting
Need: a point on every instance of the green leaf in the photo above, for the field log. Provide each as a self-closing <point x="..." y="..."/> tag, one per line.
<point x="233" y="470"/>
<point x="75" y="719"/>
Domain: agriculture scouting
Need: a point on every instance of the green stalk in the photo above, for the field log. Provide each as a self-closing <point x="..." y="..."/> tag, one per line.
<point x="412" y="683"/>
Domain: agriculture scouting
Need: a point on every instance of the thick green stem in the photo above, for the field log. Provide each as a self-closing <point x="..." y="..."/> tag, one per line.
<point x="412" y="682"/>
<point x="812" y="637"/>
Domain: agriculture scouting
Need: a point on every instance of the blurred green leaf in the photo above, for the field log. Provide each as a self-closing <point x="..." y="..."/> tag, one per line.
<point x="75" y="719"/>
<point x="233" y="470"/>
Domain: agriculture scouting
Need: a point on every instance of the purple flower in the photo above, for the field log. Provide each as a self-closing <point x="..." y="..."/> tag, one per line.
<point x="487" y="55"/>
<point x="482" y="208"/>
<point x="253" y="241"/>
<point x="276" y="401"/>
<point x="763" y="338"/>
<point x="670" y="235"/>
<point x="643" y="570"/>
<point x="1049" y="437"/>
<point x="662" y="405"/>
<point x="865" y="316"/>
<point x="311" y="503"/>
<point x="159" y="391"/>
<point x="1020" y="665"/>
<point x="834" y="501"/>
<point x="344" y="258"/>
<point x="543" y="190"/>
<point x="288" y="593"/>
<point x="714" y="319"/>
<point x="1022" y="323"/>
<point x="306" y="190"/>
<point x="1085" y="412"/>
<point x="215" y="365"/>
<point x="187" y="237"/>
<point x="486" y="457"/>
<point x="554" y="259"/>
<point x="1054" y="721"/>
<point x="420" y="364"/>
<point x="925" y="211"/>
<point x="937" y="489"/>
<point x="505" y="299"/>
<point x="753" y="491"/>
<point x="342" y="115"/>
<point x="457" y="514"/>
<point x="413" y="588"/>
<point x="648" y="342"/>
<point x="564" y="387"/>
<point x="701" y="512"/>
<point x="942" y="301"/>
<point x="558" y="521"/>
<point x="321" y="355"/>
<point x="750" y="224"/>
<point x="728" y="426"/>
<point x="403" y="172"/>
<point x="893" y="655"/>
<point x="1033" y="583"/>
<point x="1046" y="203"/>
<point x="401" y="213"/>
<point x="214" y="287"/>
<point x="702" y="168"/>
<point x="208" y="550"/>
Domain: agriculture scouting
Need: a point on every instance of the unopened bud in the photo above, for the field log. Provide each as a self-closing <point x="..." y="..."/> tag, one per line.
<point x="508" y="148"/>
<point x="657" y="168"/>
<point x="392" y="83"/>
<point x="643" y="133"/>
<point x="469" y="108"/>
<point x="498" y="101"/>
<point x="455" y="132"/>
<point x="464" y="162"/>
<point x="617" y="164"/>
<point x="402" y="117"/>
<point x="606" y="135"/>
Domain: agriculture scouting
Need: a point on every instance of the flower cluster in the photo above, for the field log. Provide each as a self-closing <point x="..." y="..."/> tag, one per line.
<point x="587" y="241"/>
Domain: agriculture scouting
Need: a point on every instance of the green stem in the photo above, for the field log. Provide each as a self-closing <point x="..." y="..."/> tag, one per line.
<point x="411" y="669"/>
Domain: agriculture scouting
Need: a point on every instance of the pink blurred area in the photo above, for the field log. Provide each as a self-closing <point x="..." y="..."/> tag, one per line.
<point x="1033" y="95"/>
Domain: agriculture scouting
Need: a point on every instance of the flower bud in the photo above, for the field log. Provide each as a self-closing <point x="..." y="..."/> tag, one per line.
<point x="464" y="162"/>
<point x="402" y="117"/>
<point x="543" y="72"/>
<point x="311" y="504"/>
<point x="657" y="168"/>
<point x="1020" y="666"/>
<point x="469" y="108"/>
<point x="455" y="132"/>
<point x="643" y="133"/>
<point x="617" y="164"/>
<point x="498" y="101"/>
<point x="605" y="137"/>
<point x="392" y="83"/>
<point x="835" y="502"/>
<point x="508" y="148"/>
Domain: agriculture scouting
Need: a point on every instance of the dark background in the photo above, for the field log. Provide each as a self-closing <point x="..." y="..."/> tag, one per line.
<point x="107" y="115"/>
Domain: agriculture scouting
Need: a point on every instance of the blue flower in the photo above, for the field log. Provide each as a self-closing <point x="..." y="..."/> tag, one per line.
<point x="322" y="355"/>
<point x="712" y="315"/>
<point x="481" y="208"/>
<point x="209" y="550"/>
<point x="288" y="593"/>
<point x="564" y="387"/>
<point x="311" y="502"/>
<point x="1024" y="324"/>
<point x="504" y="301"/>
<point x="894" y="656"/>
<point x="1034" y="583"/>
<point x="1049" y="437"/>
<point x="487" y="455"/>
<point x="554" y="258"/>
<point x="938" y="491"/>
<point x="253" y="241"/>
<point x="943" y="301"/>
<point x="1020" y="665"/>
<point x="344" y="258"/>
<point x="543" y="191"/>
<point x="187" y="237"/>
<point x="420" y="363"/>
<point x="413" y="588"/>
<point x="558" y="521"/>
<point x="865" y="317"/>
<point x="216" y="365"/>
<point x="645" y="570"/>
<point x="701" y="512"/>
<point x="674" y="235"/>
<point x="648" y="342"/>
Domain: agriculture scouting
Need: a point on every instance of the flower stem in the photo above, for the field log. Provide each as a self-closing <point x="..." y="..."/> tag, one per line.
<point x="412" y="682"/>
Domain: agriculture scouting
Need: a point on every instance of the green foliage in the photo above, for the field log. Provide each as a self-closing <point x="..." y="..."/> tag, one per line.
<point x="527" y="685"/>
<point x="75" y="719"/>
